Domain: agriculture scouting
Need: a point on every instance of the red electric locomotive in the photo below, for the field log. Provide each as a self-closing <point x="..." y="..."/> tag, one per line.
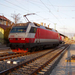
<point x="32" y="36"/>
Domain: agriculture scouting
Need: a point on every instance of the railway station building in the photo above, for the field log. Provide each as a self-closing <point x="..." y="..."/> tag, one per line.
<point x="2" y="29"/>
<point x="4" y="23"/>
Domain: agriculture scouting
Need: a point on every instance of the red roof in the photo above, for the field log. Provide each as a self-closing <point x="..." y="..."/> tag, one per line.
<point x="4" y="18"/>
<point x="4" y="26"/>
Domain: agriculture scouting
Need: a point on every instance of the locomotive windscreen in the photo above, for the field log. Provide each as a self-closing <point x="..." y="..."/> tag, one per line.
<point x="18" y="29"/>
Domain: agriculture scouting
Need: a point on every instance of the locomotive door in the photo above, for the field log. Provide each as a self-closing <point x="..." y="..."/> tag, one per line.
<point x="38" y="36"/>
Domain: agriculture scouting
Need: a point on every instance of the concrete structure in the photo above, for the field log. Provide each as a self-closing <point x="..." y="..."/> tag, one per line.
<point x="63" y="67"/>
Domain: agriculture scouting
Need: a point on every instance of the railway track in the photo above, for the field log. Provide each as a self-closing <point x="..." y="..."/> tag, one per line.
<point x="4" y="65"/>
<point x="14" y="55"/>
<point x="8" y="54"/>
<point x="33" y="65"/>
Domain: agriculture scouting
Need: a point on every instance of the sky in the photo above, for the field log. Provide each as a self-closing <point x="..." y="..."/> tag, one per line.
<point x="58" y="14"/>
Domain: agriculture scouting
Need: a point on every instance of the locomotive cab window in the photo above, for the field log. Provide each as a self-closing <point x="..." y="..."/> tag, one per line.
<point x="33" y="30"/>
<point x="18" y="29"/>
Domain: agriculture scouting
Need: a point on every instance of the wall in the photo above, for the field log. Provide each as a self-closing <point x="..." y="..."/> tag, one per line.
<point x="1" y="35"/>
<point x="5" y="22"/>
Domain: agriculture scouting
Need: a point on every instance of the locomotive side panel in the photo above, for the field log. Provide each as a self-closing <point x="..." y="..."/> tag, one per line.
<point x="46" y="36"/>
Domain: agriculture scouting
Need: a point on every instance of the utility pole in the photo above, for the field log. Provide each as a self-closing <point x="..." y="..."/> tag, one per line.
<point x="55" y="26"/>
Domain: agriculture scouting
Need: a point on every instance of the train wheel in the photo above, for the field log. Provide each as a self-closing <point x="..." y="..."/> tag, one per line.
<point x="33" y="49"/>
<point x="37" y="48"/>
<point x="30" y="50"/>
<point x="41" y="48"/>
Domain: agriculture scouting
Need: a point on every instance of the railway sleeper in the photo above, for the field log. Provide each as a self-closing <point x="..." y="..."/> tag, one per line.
<point x="40" y="69"/>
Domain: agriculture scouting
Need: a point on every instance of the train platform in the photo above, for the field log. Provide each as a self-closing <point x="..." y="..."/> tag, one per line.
<point x="66" y="65"/>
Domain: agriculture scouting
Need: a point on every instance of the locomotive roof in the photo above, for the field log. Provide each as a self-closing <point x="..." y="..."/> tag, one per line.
<point x="43" y="27"/>
<point x="36" y="25"/>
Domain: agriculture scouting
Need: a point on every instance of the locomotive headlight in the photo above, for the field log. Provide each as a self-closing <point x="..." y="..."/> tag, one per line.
<point x="22" y="38"/>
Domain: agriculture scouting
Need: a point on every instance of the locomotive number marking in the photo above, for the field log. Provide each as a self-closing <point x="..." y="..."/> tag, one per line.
<point x="11" y="35"/>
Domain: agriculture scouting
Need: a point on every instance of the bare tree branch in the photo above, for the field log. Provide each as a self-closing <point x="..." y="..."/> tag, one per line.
<point x="16" y="17"/>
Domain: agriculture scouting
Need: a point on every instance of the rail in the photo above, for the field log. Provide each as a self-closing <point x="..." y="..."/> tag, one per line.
<point x="25" y="63"/>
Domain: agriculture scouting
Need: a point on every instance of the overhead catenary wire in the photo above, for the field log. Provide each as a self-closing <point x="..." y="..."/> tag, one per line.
<point x="16" y="5"/>
<point x="50" y="11"/>
<point x="43" y="18"/>
<point x="40" y="8"/>
<point x="54" y="8"/>
<point x="63" y="6"/>
<point x="51" y="4"/>
<point x="37" y="12"/>
<point x="35" y="5"/>
<point x="10" y="7"/>
<point x="18" y="10"/>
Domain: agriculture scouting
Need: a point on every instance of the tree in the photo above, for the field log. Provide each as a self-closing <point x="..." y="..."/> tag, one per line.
<point x="16" y="17"/>
<point x="6" y="34"/>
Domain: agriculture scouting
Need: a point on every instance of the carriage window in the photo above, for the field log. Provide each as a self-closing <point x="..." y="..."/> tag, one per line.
<point x="33" y="30"/>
